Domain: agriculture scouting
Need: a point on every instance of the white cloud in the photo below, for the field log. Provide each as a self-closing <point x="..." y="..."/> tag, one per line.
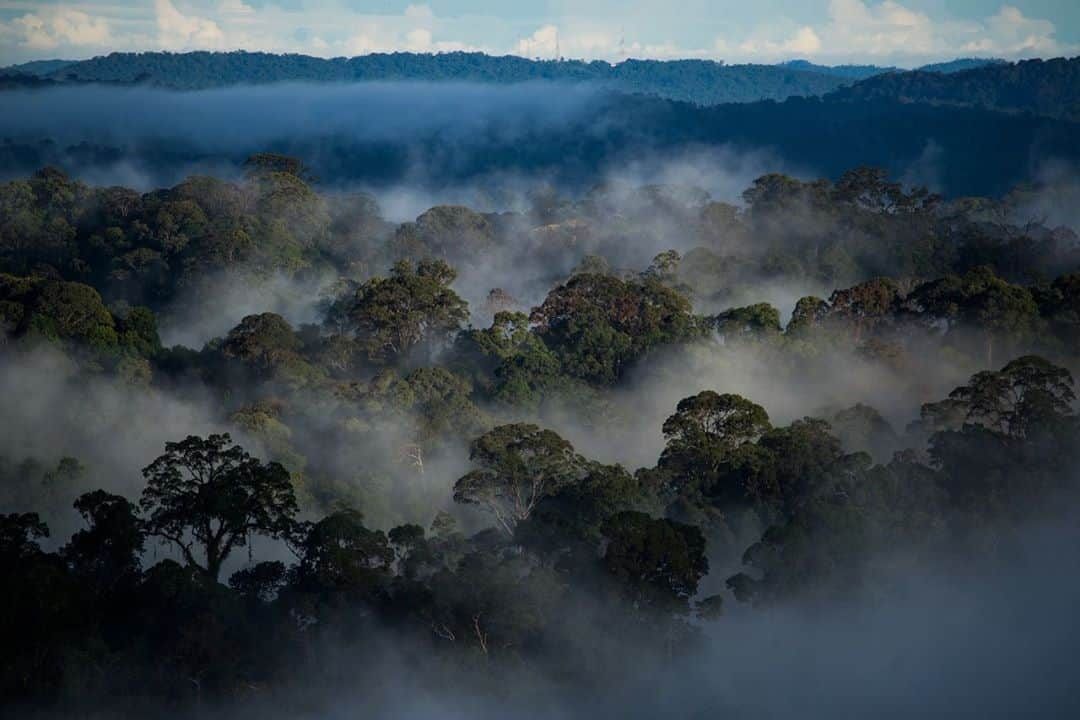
<point x="888" y="31"/>
<point x="879" y="31"/>
<point x="541" y="43"/>
<point x="594" y="42"/>
<point x="177" y="31"/>
<point x="885" y="29"/>
<point x="58" y="27"/>
<point x="366" y="39"/>
<point x="1019" y="35"/>
<point x="413" y="31"/>
<point x="804" y="42"/>
<point x="418" y="40"/>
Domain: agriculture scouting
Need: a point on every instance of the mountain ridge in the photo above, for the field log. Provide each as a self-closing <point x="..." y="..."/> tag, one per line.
<point x="705" y="82"/>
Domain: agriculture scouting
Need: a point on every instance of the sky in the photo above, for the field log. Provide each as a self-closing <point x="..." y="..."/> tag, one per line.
<point x="887" y="32"/>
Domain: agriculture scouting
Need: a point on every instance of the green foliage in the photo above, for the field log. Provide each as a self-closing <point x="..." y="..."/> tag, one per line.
<point x="981" y="300"/>
<point x="598" y="325"/>
<point x="757" y="322"/>
<point x="361" y="412"/>
<point x="263" y="341"/>
<point x="439" y="400"/>
<point x="518" y="466"/>
<point x="450" y="232"/>
<point x="510" y="362"/>
<point x="701" y="81"/>
<point x="656" y="562"/>
<point x="567" y="525"/>
<point x="413" y="308"/>
<point x="1026" y="86"/>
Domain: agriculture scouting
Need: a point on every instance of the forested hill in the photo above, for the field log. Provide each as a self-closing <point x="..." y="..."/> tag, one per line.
<point x="1043" y="87"/>
<point x="700" y="81"/>
<point x="1047" y="88"/>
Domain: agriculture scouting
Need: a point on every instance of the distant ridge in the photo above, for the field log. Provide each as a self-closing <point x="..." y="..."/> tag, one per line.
<point x="700" y="81"/>
<point x="961" y="64"/>
<point x="862" y="72"/>
<point x="1044" y="87"/>
<point x="1050" y="88"/>
<point x="38" y="67"/>
<point x="848" y="72"/>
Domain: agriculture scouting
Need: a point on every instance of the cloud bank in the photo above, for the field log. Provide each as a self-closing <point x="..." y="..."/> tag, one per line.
<point x="888" y="32"/>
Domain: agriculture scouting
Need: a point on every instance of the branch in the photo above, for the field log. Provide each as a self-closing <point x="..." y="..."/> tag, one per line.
<point x="185" y="548"/>
<point x="480" y="634"/>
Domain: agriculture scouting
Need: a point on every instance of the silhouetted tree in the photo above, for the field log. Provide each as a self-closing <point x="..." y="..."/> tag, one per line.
<point x="207" y="495"/>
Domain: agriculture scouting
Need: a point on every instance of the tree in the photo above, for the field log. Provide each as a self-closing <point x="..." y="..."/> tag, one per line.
<point x="720" y="225"/>
<point x="43" y="612"/>
<point x="440" y="402"/>
<point x="262" y="340"/>
<point x="342" y="558"/>
<point x="566" y="525"/>
<point x="866" y="305"/>
<point x="981" y="300"/>
<point x="261" y="582"/>
<point x="598" y="324"/>
<point x="657" y="562"/>
<point x="211" y="494"/>
<point x="709" y="418"/>
<point x="870" y="189"/>
<point x="19" y="533"/>
<point x="261" y="164"/>
<point x="664" y="268"/>
<point x="108" y="550"/>
<point x="519" y="465"/>
<point x="393" y="316"/>
<point x="751" y="322"/>
<point x="451" y="232"/>
<point x="862" y="428"/>
<point x="72" y="311"/>
<point x="507" y="360"/>
<point x="710" y="444"/>
<point x="775" y="194"/>
<point x="800" y="460"/>
<point x="808" y="314"/>
<point x="1027" y="395"/>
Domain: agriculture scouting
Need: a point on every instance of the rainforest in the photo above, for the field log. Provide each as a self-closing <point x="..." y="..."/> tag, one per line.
<point x="501" y="395"/>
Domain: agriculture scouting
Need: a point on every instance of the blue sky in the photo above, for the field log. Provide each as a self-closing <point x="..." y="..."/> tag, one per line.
<point x="898" y="32"/>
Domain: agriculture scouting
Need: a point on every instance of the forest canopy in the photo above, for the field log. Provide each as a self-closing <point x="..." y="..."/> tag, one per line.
<point x="264" y="444"/>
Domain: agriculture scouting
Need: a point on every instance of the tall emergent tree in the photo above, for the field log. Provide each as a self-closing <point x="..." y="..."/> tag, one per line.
<point x="415" y="305"/>
<point x="212" y="495"/>
<point x="706" y="431"/>
<point x="519" y="465"/>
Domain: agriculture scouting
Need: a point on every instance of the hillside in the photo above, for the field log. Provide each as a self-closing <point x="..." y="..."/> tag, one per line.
<point x="960" y="150"/>
<point x="961" y="64"/>
<point x="1044" y="87"/>
<point x="699" y="81"/>
<point x="848" y="72"/>
<point x="37" y="67"/>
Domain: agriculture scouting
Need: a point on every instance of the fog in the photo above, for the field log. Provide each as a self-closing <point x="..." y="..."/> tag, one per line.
<point x="447" y="137"/>
<point x="52" y="410"/>
<point x="150" y="137"/>
<point x="994" y="640"/>
<point x="232" y="120"/>
<point x="966" y="634"/>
